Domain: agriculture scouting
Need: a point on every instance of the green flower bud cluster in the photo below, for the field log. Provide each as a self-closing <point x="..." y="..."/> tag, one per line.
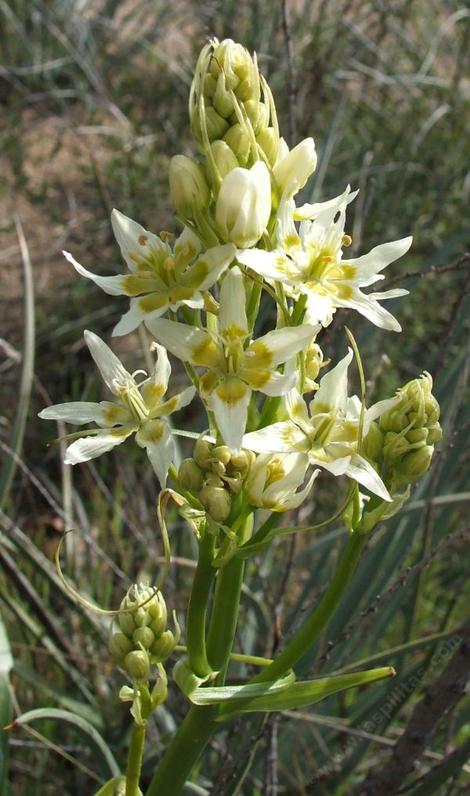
<point x="141" y="638"/>
<point x="403" y="438"/>
<point x="214" y="475"/>
<point x="232" y="113"/>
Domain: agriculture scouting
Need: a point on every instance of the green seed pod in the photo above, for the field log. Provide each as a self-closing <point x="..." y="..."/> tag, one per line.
<point x="119" y="646"/>
<point x="222" y="453"/>
<point x="137" y="665"/>
<point x="190" y="475"/>
<point x="143" y="636"/>
<point x="213" y="480"/>
<point x="216" y="501"/>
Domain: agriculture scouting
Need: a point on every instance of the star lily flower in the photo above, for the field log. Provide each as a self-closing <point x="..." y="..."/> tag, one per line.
<point x="234" y="366"/>
<point x="159" y="278"/>
<point x="273" y="481"/>
<point x="139" y="410"/>
<point x="329" y="433"/>
<point x="310" y="262"/>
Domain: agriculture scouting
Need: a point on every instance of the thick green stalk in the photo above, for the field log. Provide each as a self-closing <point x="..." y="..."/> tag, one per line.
<point x="320" y="616"/>
<point x="134" y="760"/>
<point x="197" y="608"/>
<point x="200" y="723"/>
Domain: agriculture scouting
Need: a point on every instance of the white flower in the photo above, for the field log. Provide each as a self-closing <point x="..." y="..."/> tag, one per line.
<point x="273" y="480"/>
<point x="234" y="368"/>
<point x="243" y="205"/>
<point x="159" y="278"/>
<point x="310" y="262"/>
<point x="329" y="433"/>
<point x="293" y="168"/>
<point x="138" y="409"/>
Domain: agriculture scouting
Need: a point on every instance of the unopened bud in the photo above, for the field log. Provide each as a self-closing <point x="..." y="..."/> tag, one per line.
<point x="239" y="142"/>
<point x="224" y="157"/>
<point x="137" y="665"/>
<point x="217" y="126"/>
<point x="188" y="187"/>
<point x="119" y="646"/>
<point x="372" y="444"/>
<point x="202" y="453"/>
<point x="416" y="463"/>
<point x="163" y="646"/>
<point x="242" y="461"/>
<point x="144" y="637"/>
<point x="222" y="453"/>
<point x="268" y="140"/>
<point x="244" y="205"/>
<point x="216" y="501"/>
<point x="190" y="476"/>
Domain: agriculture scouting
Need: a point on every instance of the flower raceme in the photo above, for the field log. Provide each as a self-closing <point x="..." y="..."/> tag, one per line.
<point x="139" y="410"/>
<point x="328" y="434"/>
<point x="310" y="262"/>
<point x="233" y="368"/>
<point x="159" y="278"/>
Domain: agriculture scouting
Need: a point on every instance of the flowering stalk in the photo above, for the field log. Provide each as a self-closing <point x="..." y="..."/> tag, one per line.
<point x="275" y="418"/>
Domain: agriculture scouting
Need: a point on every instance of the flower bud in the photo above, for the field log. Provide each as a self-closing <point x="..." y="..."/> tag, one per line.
<point x="217" y="502"/>
<point x="216" y="124"/>
<point x="143" y="637"/>
<point x="239" y="142"/>
<point x="372" y="444"/>
<point x="137" y="665"/>
<point x="222" y="453"/>
<point x="202" y="453"/>
<point x="119" y="646"/>
<point x="126" y="623"/>
<point x="163" y="646"/>
<point x="188" y="187"/>
<point x="244" y="205"/>
<point x="268" y="140"/>
<point x="416" y="464"/>
<point x="242" y="460"/>
<point x="190" y="476"/>
<point x="293" y="170"/>
<point x="224" y="158"/>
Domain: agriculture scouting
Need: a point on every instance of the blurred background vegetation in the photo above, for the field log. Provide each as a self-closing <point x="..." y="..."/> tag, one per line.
<point x="94" y="103"/>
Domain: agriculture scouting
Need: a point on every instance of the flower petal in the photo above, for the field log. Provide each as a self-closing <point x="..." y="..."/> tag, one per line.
<point x="333" y="390"/>
<point x="229" y="402"/>
<point x="361" y="471"/>
<point x="325" y="209"/>
<point x="110" y="367"/>
<point x="218" y="259"/>
<point x="284" y="343"/>
<point x="113" y="285"/>
<point x="86" y="448"/>
<point x="75" y="412"/>
<point x="283" y="437"/>
<point x="370" y="264"/>
<point x="136" y="243"/>
<point x="184" y="341"/>
<point x="155" y="436"/>
<point x="178" y="402"/>
<point x="271" y="265"/>
<point x="232" y="316"/>
<point x="279" y="383"/>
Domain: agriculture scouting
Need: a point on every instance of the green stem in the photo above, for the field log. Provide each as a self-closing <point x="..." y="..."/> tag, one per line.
<point x="320" y="616"/>
<point x="197" y="608"/>
<point x="200" y="723"/>
<point x="134" y="760"/>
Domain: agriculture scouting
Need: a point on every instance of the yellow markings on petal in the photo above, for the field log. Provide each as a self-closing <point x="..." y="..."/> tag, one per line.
<point x="195" y="274"/>
<point x="255" y="378"/>
<point x="298" y="410"/>
<point x="152" y="431"/>
<point x="231" y="391"/>
<point x="154" y="301"/>
<point x="152" y="394"/>
<point x="113" y="414"/>
<point x="258" y="355"/>
<point x="344" y="292"/>
<point x="320" y="408"/>
<point x="207" y="354"/>
<point x="135" y="284"/>
<point x="208" y="381"/>
<point x="180" y="293"/>
<point x="232" y="333"/>
<point x="169" y="263"/>
<point x="291" y="240"/>
<point x="289" y="436"/>
<point x="169" y="406"/>
<point x="275" y="471"/>
<point x="348" y="271"/>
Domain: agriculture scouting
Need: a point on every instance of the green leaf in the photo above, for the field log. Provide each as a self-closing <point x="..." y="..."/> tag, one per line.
<point x="80" y="723"/>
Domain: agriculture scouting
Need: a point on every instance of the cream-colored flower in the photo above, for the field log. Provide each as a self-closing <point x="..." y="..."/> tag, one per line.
<point x="310" y="262"/>
<point x="234" y="366"/>
<point x="329" y="433"/>
<point x="243" y="205"/>
<point x="139" y="409"/>
<point x="160" y="277"/>
<point x="273" y="481"/>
